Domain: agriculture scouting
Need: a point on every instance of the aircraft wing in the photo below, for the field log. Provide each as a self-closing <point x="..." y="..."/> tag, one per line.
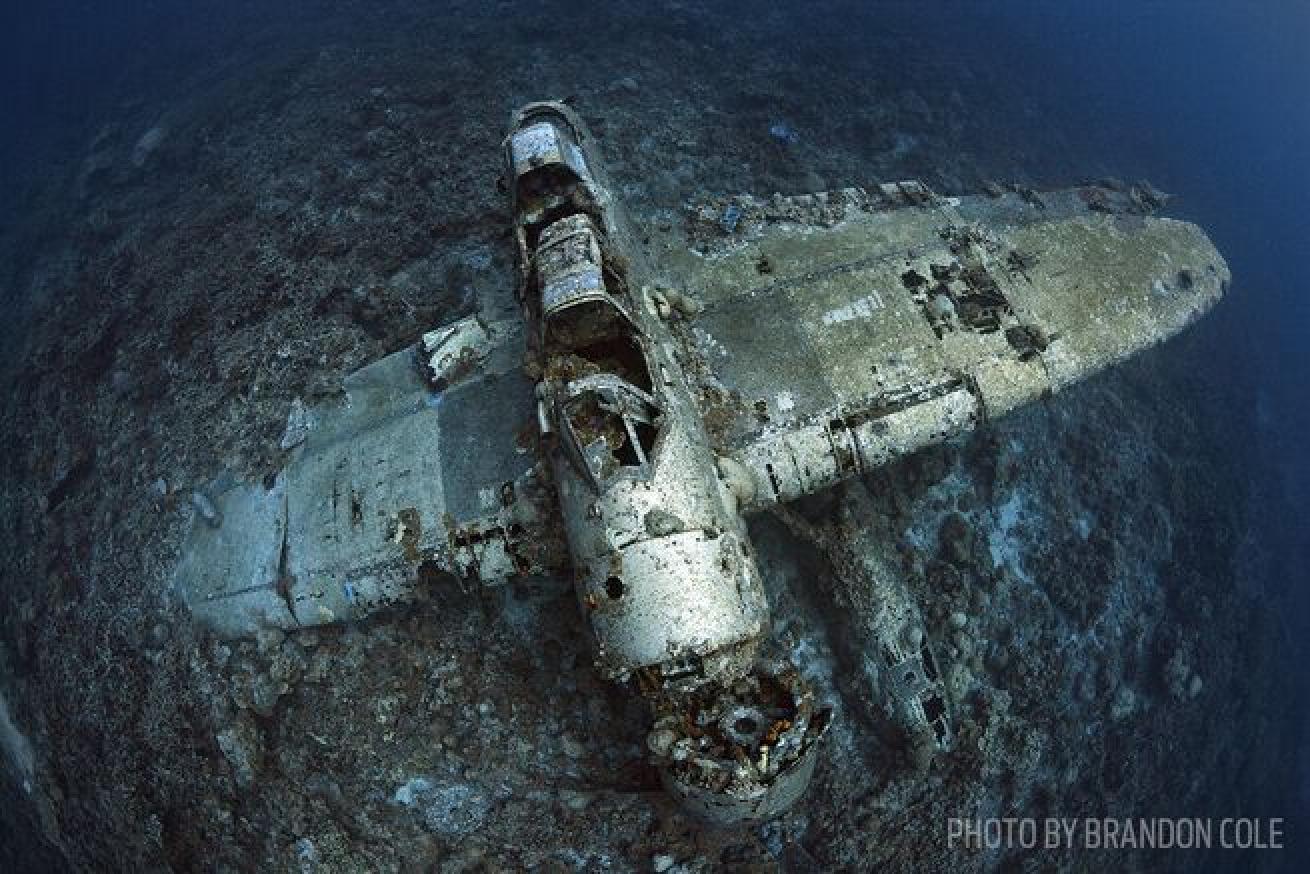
<point x="839" y="331"/>
<point x="394" y="483"/>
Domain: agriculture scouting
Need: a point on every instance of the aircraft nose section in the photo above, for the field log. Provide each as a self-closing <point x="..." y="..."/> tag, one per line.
<point x="742" y="752"/>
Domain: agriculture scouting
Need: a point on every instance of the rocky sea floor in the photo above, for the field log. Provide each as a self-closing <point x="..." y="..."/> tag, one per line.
<point x="306" y="207"/>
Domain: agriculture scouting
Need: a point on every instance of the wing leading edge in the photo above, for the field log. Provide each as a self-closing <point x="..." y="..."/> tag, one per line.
<point x="392" y="484"/>
<point x="840" y="331"/>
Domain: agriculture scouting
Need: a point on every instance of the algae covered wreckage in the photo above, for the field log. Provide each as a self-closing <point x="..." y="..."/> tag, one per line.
<point x="885" y="322"/>
<point x="251" y="293"/>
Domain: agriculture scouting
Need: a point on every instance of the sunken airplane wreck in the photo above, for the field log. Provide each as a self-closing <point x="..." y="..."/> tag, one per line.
<point x="620" y="418"/>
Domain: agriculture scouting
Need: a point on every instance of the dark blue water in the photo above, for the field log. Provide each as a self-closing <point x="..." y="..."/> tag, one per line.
<point x="1206" y="99"/>
<point x="1214" y="100"/>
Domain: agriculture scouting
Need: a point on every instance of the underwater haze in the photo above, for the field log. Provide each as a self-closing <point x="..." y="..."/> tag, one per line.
<point x="213" y="213"/>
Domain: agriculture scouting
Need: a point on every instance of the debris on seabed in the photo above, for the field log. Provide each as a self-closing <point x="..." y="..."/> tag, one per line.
<point x="784" y="133"/>
<point x="300" y="421"/>
<point x="205" y="507"/>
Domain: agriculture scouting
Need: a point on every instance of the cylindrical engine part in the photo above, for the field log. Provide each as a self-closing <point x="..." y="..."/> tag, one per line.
<point x="741" y="751"/>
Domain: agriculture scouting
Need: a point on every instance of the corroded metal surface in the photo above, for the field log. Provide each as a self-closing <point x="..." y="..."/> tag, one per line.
<point x="626" y="426"/>
<point x="663" y="571"/>
<point x="894" y="323"/>
<point x="742" y="752"/>
<point x="395" y="482"/>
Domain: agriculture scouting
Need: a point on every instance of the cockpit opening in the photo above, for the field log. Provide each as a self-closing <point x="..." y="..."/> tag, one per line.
<point x="609" y="415"/>
<point x="595" y="337"/>
<point x="610" y="424"/>
<point x="549" y="181"/>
